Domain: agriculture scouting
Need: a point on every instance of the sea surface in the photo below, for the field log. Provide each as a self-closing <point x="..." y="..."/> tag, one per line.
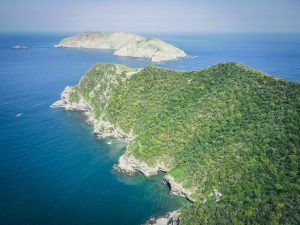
<point x="52" y="168"/>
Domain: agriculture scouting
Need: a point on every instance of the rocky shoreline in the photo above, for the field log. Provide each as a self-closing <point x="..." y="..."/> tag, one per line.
<point x="127" y="164"/>
<point x="171" y="218"/>
<point x="102" y="129"/>
<point x="177" y="188"/>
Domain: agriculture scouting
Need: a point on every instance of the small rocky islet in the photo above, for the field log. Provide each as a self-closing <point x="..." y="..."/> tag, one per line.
<point x="19" y="47"/>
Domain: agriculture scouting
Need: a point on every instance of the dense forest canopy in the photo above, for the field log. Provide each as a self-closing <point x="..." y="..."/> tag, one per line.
<point x="228" y="128"/>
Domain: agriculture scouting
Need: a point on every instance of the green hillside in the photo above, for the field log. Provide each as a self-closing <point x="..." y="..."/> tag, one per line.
<point x="227" y="128"/>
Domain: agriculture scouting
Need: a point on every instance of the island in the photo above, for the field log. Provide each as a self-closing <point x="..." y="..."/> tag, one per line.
<point x="226" y="137"/>
<point x="19" y="47"/>
<point x="125" y="44"/>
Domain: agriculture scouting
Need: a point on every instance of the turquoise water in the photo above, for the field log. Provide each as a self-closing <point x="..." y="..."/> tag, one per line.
<point x="52" y="168"/>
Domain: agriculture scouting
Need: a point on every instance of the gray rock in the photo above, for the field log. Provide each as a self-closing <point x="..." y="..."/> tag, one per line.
<point x="171" y="218"/>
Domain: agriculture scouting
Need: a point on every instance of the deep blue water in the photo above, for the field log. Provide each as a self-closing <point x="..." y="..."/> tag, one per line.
<point x="52" y="168"/>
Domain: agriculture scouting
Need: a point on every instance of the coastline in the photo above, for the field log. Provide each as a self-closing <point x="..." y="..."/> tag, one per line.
<point x="127" y="163"/>
<point x="102" y="129"/>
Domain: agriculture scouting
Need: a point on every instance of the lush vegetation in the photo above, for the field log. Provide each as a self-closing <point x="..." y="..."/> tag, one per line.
<point x="227" y="128"/>
<point x="96" y="87"/>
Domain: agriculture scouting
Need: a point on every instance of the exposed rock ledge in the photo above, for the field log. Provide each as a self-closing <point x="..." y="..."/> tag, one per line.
<point x="129" y="165"/>
<point x="177" y="188"/>
<point x="171" y="218"/>
<point x="64" y="102"/>
<point x="102" y="129"/>
<point x="125" y="44"/>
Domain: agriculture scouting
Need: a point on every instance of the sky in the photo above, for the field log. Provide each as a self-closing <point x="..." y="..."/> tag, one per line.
<point x="150" y="15"/>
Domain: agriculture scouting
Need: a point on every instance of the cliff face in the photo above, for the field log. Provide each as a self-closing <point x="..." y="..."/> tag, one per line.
<point x="125" y="44"/>
<point x="92" y="94"/>
<point x="227" y="136"/>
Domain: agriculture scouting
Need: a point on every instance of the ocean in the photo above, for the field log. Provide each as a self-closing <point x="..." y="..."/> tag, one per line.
<point x="53" y="170"/>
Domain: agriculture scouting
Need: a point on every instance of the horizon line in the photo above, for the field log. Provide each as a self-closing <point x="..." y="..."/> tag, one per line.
<point x="161" y="32"/>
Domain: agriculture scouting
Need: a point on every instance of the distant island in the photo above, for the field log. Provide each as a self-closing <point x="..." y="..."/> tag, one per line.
<point x="19" y="47"/>
<point x="125" y="44"/>
<point x="226" y="137"/>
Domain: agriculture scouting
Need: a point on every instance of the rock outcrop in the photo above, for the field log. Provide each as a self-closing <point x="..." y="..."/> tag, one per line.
<point x="64" y="102"/>
<point x="171" y="218"/>
<point x="102" y="129"/>
<point x="130" y="165"/>
<point x="125" y="44"/>
<point x="110" y="79"/>
<point x="177" y="188"/>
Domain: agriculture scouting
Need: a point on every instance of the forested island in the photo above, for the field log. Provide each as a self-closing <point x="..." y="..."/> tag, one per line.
<point x="227" y="137"/>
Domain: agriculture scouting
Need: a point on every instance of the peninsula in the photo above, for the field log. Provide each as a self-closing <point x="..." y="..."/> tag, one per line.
<point x="125" y="44"/>
<point x="227" y="137"/>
